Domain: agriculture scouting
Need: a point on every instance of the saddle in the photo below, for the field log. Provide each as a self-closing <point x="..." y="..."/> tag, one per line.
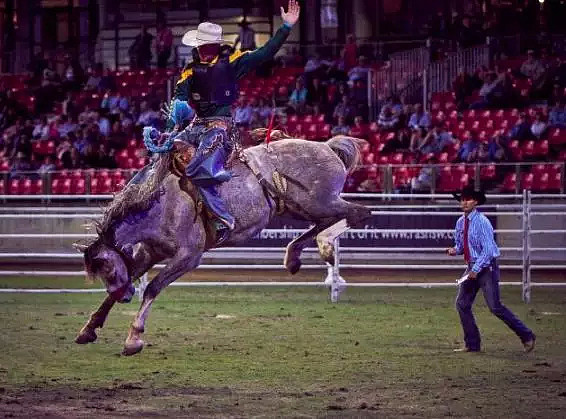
<point x="181" y="156"/>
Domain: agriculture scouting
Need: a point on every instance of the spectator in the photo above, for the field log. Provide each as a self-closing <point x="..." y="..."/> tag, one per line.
<point x="117" y="139"/>
<point x="538" y="127"/>
<point x="104" y="125"/>
<point x="387" y="119"/>
<point x="462" y="87"/>
<point x="41" y="129"/>
<point x="72" y="159"/>
<point x="341" y="128"/>
<point x="350" y="53"/>
<point x="107" y="81"/>
<point x="298" y="98"/>
<point x="344" y="109"/>
<point x="93" y="82"/>
<point x="419" y="118"/>
<point x="469" y="148"/>
<point x="359" y="129"/>
<point x="264" y="112"/>
<point x="140" y="50"/>
<point x="488" y="93"/>
<point x="557" y="116"/>
<point x="417" y="139"/>
<point x="280" y="98"/>
<point x="73" y="75"/>
<point x="114" y="103"/>
<point x="243" y="115"/>
<point x="533" y="68"/>
<point x="148" y="116"/>
<point x="246" y="37"/>
<point x="497" y="148"/>
<point x="468" y="36"/>
<point x="400" y="141"/>
<point x="47" y="166"/>
<point x="522" y="129"/>
<point x="423" y="182"/>
<point x="20" y="167"/>
<point x="360" y="72"/>
<point x="163" y="43"/>
<point x="65" y="125"/>
<point x="316" y="93"/>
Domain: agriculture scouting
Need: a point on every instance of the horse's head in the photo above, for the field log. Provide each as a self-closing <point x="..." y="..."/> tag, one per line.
<point x="107" y="262"/>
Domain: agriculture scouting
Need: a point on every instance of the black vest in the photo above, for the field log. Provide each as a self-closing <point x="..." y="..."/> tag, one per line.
<point x="213" y="86"/>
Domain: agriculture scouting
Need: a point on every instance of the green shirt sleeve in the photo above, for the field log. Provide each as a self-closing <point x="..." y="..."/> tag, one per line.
<point x="249" y="60"/>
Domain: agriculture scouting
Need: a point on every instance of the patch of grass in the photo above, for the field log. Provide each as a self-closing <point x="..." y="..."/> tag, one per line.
<point x="283" y="351"/>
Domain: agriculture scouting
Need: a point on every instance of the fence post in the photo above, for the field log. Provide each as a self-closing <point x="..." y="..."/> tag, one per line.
<point x="425" y="89"/>
<point x="526" y="246"/>
<point x="338" y="283"/>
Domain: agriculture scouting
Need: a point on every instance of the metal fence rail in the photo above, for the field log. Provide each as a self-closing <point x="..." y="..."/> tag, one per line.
<point x="525" y="209"/>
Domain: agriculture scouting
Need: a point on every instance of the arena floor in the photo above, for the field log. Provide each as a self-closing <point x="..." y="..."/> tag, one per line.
<point x="279" y="352"/>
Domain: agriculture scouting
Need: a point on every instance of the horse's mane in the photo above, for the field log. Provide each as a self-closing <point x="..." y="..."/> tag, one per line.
<point x="135" y="197"/>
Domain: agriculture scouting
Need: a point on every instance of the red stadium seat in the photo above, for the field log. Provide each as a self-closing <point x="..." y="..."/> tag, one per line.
<point x="37" y="187"/>
<point x="14" y="187"/>
<point x="510" y="182"/>
<point x="488" y="172"/>
<point x="312" y="131"/>
<point x="324" y="131"/>
<point x="527" y="181"/>
<point x="541" y="148"/>
<point x="555" y="182"/>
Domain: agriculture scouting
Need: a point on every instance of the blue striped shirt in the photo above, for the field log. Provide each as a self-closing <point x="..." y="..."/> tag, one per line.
<point x="481" y="241"/>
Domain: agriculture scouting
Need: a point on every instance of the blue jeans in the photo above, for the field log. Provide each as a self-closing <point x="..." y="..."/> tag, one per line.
<point x="488" y="281"/>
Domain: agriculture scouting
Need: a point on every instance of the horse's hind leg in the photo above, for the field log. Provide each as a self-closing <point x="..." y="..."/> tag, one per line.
<point x="348" y="215"/>
<point x="179" y="265"/>
<point x="292" y="259"/>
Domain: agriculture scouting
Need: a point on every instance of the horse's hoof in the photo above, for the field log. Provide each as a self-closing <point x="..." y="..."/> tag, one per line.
<point x="293" y="266"/>
<point x="86" y="335"/>
<point x="327" y="254"/>
<point x="132" y="348"/>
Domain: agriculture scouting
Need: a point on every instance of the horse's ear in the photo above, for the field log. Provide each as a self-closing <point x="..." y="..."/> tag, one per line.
<point x="80" y="247"/>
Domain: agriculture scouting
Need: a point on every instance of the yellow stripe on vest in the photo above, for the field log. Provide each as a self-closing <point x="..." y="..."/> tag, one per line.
<point x="185" y="75"/>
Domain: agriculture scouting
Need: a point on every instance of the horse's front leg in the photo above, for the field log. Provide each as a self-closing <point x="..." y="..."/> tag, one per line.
<point x="143" y="261"/>
<point x="96" y="320"/>
<point x="177" y="267"/>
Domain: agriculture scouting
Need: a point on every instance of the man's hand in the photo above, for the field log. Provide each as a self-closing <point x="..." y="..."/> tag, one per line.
<point x="472" y="275"/>
<point x="451" y="251"/>
<point x="292" y="14"/>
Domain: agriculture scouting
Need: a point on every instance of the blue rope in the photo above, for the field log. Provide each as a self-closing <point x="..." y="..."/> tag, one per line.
<point x="150" y="134"/>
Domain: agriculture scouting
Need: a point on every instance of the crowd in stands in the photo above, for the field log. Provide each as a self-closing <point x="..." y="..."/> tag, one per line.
<point x="79" y="120"/>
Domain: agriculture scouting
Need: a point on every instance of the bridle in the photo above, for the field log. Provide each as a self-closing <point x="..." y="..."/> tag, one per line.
<point x="128" y="261"/>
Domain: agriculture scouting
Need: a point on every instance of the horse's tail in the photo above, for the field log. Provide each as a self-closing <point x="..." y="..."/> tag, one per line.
<point x="347" y="149"/>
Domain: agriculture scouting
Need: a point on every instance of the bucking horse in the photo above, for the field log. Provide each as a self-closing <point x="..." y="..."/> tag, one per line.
<point x="162" y="219"/>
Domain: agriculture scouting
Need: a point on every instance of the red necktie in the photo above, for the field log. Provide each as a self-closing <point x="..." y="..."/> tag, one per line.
<point x="466" y="246"/>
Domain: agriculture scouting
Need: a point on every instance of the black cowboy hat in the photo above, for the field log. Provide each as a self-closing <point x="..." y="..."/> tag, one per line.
<point x="470" y="192"/>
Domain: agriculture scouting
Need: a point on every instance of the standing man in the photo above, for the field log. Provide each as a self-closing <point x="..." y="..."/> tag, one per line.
<point x="246" y="37"/>
<point x="474" y="239"/>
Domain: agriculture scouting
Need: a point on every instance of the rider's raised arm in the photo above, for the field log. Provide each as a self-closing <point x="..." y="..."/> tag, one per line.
<point x="244" y="62"/>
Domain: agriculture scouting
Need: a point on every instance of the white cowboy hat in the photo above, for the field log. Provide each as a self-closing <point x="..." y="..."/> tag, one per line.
<point x="206" y="33"/>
